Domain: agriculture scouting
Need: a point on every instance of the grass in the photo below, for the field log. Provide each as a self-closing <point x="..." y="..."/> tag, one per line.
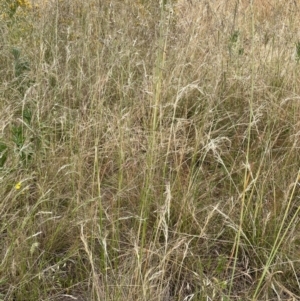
<point x="149" y="151"/>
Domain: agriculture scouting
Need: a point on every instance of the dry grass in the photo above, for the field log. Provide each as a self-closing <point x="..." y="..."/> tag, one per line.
<point x="150" y="152"/>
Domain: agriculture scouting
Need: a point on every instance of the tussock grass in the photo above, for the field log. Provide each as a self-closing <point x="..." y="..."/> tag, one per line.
<point x="150" y="151"/>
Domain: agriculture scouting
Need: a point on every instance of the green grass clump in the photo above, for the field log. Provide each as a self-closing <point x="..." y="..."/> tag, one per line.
<point x="149" y="151"/>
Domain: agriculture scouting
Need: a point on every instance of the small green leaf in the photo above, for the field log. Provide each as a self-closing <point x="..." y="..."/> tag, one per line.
<point x="27" y="115"/>
<point x="234" y="37"/>
<point x="3" y="154"/>
<point x="16" y="53"/>
<point x="298" y="51"/>
<point x="18" y="137"/>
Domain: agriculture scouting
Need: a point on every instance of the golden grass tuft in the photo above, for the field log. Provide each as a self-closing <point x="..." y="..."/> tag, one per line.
<point x="150" y="151"/>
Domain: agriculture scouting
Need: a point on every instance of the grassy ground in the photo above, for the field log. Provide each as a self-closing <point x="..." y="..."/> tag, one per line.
<point x="149" y="151"/>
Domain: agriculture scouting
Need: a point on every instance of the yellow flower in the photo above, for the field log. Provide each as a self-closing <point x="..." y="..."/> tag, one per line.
<point x="18" y="186"/>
